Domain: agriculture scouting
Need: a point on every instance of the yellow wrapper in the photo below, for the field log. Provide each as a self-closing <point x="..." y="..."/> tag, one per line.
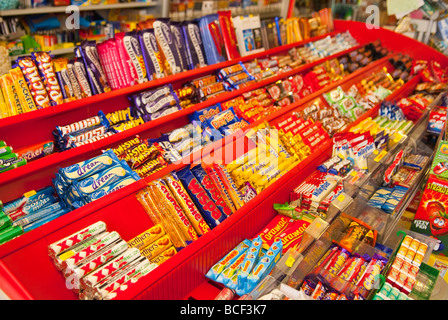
<point x="25" y="97"/>
<point x="4" y="110"/>
<point x="10" y="94"/>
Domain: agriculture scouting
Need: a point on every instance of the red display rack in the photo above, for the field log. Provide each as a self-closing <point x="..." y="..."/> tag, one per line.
<point x="27" y="272"/>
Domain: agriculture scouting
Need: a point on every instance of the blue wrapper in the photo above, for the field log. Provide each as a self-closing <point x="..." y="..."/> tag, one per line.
<point x="262" y="268"/>
<point x="224" y="118"/>
<point x="203" y="114"/>
<point x="32" y="198"/>
<point x="104" y="178"/>
<point x="205" y="204"/>
<point x="212" y="39"/>
<point x="40" y="214"/>
<point x="84" y="169"/>
<point x="109" y="189"/>
<point x="44" y="220"/>
<point x="228" y="259"/>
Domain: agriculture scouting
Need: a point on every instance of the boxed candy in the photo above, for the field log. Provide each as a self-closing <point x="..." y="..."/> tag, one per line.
<point x="431" y="218"/>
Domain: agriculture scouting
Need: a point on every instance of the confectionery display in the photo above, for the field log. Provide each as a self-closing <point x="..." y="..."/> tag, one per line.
<point x="233" y="156"/>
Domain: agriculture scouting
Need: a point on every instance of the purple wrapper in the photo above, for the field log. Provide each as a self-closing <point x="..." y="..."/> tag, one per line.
<point x="179" y="40"/>
<point x="97" y="76"/>
<point x="165" y="39"/>
<point x="151" y="55"/>
<point x="194" y="45"/>
<point x="164" y="112"/>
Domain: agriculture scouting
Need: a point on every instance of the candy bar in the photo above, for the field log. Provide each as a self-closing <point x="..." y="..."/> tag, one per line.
<point x="104" y="240"/>
<point x="228" y="259"/>
<point x="164" y="256"/>
<point x="48" y="75"/>
<point x="107" y="269"/>
<point x="73" y="274"/>
<point x="188" y="206"/>
<point x="176" y="211"/>
<point x="35" y="84"/>
<point x="96" y="75"/>
<point x="151" y="54"/>
<point x="164" y="37"/>
<point x="26" y="99"/>
<point x="80" y="73"/>
<point x="156" y="247"/>
<point x="84" y="169"/>
<point x="12" y="98"/>
<point x="147" y="237"/>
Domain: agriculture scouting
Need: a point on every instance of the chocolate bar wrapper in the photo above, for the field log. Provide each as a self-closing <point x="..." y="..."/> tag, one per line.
<point x="116" y="63"/>
<point x="129" y="76"/>
<point x="167" y="45"/>
<point x="60" y="67"/>
<point x="179" y="40"/>
<point x="97" y="76"/>
<point x="164" y="112"/>
<point x="80" y="72"/>
<point x="185" y="201"/>
<point x="105" y="61"/>
<point x="211" y="190"/>
<point x="78" y="93"/>
<point x="151" y="54"/>
<point x="35" y="83"/>
<point x="48" y="76"/>
<point x="193" y="42"/>
<point x="228" y="33"/>
<point x="36" y="151"/>
<point x="134" y="55"/>
<point x="209" y="211"/>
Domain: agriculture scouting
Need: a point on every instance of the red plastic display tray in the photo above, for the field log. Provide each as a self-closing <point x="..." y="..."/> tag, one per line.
<point x="26" y="271"/>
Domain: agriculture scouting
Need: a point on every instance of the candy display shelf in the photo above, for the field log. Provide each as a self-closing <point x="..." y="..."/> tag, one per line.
<point x="109" y="209"/>
<point x="61" y="9"/>
<point x="26" y="271"/>
<point x="44" y="121"/>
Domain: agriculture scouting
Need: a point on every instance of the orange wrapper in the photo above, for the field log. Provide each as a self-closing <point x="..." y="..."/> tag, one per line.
<point x="176" y="211"/>
<point x="165" y="255"/>
<point x="183" y="198"/>
<point x="35" y="83"/>
<point x="159" y="214"/>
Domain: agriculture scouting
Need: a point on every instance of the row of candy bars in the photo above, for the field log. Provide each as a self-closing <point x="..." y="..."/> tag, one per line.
<point x="98" y="264"/>
<point x="245" y="266"/>
<point x="30" y="211"/>
<point x="92" y="179"/>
